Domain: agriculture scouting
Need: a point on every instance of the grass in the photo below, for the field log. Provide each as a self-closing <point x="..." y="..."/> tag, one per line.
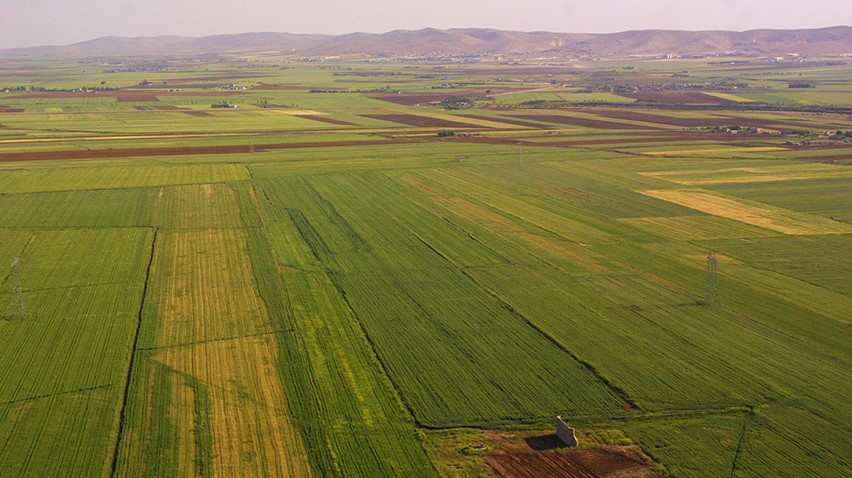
<point x="383" y="308"/>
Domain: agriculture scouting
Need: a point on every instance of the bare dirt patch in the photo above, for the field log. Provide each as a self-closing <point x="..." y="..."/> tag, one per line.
<point x="422" y="121"/>
<point x="655" y="118"/>
<point x="524" y="461"/>
<point x="576" y="121"/>
<point x="9" y="109"/>
<point x="325" y="119"/>
<point x="504" y="119"/>
<point x="678" y="97"/>
<point x="157" y="108"/>
<point x="195" y="150"/>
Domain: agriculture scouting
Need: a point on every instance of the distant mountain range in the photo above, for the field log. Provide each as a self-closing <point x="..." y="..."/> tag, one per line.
<point x="471" y="41"/>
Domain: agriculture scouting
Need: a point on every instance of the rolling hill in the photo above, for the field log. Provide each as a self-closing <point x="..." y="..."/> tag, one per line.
<point x="473" y="41"/>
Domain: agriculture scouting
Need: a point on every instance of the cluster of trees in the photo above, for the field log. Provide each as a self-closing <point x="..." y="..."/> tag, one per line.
<point x="23" y="88"/>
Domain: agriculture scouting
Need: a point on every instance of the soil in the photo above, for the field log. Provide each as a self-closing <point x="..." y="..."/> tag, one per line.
<point x="157" y="108"/>
<point x="504" y="119"/>
<point x="143" y="152"/>
<point x="424" y="121"/>
<point x="678" y="97"/>
<point x="325" y="119"/>
<point x="584" y="122"/>
<point x="544" y="457"/>
<point x="653" y="118"/>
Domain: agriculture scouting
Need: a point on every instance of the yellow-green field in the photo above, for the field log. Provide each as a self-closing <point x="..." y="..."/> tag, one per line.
<point x="374" y="283"/>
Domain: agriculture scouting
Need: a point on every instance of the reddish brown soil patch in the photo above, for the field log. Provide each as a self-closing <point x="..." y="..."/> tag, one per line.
<point x="583" y="122"/>
<point x="519" y="461"/>
<point x="193" y="150"/>
<point x="9" y="109"/>
<point x="653" y="118"/>
<point x="424" y="121"/>
<point x="504" y="119"/>
<point x="700" y="122"/>
<point x="325" y="119"/>
<point x="197" y="93"/>
<point x="157" y="108"/>
<point x="678" y="97"/>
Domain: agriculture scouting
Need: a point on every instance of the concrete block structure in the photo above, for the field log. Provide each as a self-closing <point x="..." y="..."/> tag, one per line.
<point x="565" y="432"/>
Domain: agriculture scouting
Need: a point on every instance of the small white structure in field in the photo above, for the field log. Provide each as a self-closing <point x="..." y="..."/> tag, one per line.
<point x="565" y="433"/>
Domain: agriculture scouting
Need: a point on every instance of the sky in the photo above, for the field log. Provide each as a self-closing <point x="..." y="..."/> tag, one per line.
<point x="63" y="22"/>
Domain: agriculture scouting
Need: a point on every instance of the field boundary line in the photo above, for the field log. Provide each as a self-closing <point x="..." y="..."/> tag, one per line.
<point x="218" y="339"/>
<point x="50" y="395"/>
<point x="618" y="391"/>
<point x="123" y="412"/>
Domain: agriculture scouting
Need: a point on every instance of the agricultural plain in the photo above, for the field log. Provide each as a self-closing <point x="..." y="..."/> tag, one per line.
<point x="268" y="266"/>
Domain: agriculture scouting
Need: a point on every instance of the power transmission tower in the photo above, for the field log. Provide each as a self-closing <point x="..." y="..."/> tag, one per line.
<point x="711" y="296"/>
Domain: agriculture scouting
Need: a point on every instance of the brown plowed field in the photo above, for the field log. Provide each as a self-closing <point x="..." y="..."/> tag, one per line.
<point x="143" y="152"/>
<point x="325" y="119"/>
<point x="507" y="120"/>
<point x="654" y="118"/>
<point x="697" y="122"/>
<point x="197" y="93"/>
<point x="522" y="462"/>
<point x="678" y="97"/>
<point x="7" y="109"/>
<point x="413" y="99"/>
<point x="424" y="121"/>
<point x="157" y="108"/>
<point x="575" y="121"/>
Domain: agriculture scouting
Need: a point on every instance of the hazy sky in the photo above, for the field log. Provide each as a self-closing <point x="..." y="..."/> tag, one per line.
<point x="62" y="22"/>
